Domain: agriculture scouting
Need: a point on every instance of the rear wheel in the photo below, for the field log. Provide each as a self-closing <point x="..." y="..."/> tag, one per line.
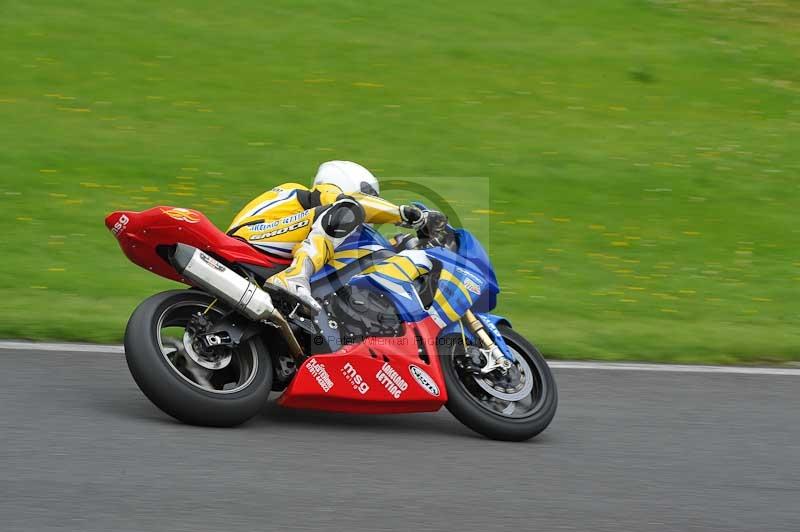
<point x="514" y="406"/>
<point x="223" y="388"/>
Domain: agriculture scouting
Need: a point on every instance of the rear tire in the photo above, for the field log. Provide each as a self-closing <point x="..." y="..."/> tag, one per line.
<point x="172" y="389"/>
<point x="465" y="403"/>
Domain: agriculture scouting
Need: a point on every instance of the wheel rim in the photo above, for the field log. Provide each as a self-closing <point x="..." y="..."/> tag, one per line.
<point x="235" y="376"/>
<point x="485" y="392"/>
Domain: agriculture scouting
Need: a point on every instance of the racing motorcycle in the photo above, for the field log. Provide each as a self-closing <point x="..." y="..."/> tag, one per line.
<point x="389" y="338"/>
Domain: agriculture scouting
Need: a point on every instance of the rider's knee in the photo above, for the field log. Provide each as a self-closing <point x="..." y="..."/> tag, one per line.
<point x="342" y="218"/>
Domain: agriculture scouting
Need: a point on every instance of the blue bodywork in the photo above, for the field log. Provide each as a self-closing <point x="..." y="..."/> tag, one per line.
<point x="471" y="283"/>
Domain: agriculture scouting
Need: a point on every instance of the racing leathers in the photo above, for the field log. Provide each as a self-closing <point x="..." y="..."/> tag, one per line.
<point x="306" y="225"/>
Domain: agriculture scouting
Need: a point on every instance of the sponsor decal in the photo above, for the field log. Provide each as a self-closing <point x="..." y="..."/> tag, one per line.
<point x="263" y="226"/>
<point x="489" y="325"/>
<point x="212" y="262"/>
<point x="391" y="380"/>
<point x="468" y="274"/>
<point x="183" y="215"/>
<point x="320" y="374"/>
<point x="352" y="376"/>
<point x="293" y="217"/>
<point x="470" y="285"/>
<point x="281" y="231"/>
<point x="122" y="222"/>
<point x="424" y="380"/>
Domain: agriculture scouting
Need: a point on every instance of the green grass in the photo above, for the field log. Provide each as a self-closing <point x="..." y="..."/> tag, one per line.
<point x="641" y="156"/>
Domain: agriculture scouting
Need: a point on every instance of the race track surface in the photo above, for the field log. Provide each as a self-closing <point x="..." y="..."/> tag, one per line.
<point x="82" y="449"/>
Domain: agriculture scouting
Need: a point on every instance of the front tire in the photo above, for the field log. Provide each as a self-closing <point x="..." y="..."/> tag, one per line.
<point x="180" y="387"/>
<point x="498" y="414"/>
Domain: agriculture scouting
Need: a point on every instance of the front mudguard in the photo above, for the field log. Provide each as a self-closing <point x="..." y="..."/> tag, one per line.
<point x="490" y="322"/>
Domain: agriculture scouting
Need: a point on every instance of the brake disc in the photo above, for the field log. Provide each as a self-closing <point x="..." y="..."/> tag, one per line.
<point x="518" y="392"/>
<point x="214" y="361"/>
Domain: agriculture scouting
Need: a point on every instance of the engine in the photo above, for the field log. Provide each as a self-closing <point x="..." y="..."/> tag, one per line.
<point x="358" y="313"/>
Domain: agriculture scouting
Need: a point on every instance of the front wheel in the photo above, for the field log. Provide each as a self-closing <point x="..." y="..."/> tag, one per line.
<point x="515" y="406"/>
<point x="221" y="392"/>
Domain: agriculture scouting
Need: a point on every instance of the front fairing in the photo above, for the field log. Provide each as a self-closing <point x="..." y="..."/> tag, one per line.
<point x="473" y="251"/>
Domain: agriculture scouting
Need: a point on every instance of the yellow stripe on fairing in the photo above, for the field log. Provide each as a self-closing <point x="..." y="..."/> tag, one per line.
<point x="390" y="270"/>
<point x="445" y="304"/>
<point x="447" y="276"/>
<point x="407" y="265"/>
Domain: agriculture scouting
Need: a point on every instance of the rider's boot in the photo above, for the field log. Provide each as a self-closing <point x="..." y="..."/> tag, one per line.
<point x="295" y="278"/>
<point x="331" y="227"/>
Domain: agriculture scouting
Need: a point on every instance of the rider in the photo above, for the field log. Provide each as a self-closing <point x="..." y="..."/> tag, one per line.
<point x="291" y="221"/>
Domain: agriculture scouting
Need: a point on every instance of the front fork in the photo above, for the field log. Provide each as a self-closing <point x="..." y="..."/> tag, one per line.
<point x="495" y="358"/>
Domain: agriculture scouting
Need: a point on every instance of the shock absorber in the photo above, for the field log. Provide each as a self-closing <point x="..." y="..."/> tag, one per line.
<point x="495" y="359"/>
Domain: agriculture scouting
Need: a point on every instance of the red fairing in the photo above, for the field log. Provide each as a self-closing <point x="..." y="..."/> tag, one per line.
<point x="140" y="233"/>
<point x="377" y="376"/>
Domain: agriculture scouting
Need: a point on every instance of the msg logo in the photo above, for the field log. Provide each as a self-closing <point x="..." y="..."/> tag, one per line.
<point x="120" y="225"/>
<point x="356" y="380"/>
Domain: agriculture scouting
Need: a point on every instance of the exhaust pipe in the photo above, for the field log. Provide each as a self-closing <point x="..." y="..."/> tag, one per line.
<point x="220" y="281"/>
<point x="240" y="293"/>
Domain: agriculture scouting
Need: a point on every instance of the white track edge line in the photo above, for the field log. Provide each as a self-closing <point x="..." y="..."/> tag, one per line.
<point x="8" y="345"/>
<point x="557" y="364"/>
<point x="675" y="368"/>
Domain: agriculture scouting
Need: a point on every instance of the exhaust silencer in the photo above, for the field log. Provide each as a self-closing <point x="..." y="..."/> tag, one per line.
<point x="220" y="281"/>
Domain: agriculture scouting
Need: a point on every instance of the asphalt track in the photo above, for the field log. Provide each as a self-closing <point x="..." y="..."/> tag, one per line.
<point x="81" y="449"/>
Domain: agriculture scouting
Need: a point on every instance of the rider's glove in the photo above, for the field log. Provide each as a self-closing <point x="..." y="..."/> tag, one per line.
<point x="429" y="223"/>
<point x="412" y="217"/>
<point x="435" y="224"/>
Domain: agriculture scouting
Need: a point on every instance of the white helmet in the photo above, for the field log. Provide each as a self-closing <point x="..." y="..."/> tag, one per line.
<point x="348" y="176"/>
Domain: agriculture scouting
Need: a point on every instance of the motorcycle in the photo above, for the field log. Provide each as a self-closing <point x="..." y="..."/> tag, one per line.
<point x="391" y="337"/>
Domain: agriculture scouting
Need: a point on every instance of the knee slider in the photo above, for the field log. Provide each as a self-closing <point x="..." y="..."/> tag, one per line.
<point x="342" y="218"/>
